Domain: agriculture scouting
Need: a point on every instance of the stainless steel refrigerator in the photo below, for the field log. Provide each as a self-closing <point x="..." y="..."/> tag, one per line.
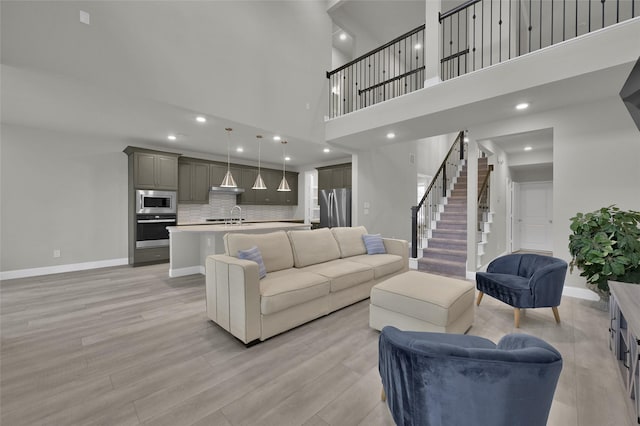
<point x="335" y="207"/>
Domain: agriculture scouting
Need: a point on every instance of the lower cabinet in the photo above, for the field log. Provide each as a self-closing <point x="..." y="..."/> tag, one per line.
<point x="150" y="255"/>
<point x="624" y="338"/>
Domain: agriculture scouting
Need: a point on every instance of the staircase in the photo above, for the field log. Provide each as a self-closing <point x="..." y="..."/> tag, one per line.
<point x="446" y="249"/>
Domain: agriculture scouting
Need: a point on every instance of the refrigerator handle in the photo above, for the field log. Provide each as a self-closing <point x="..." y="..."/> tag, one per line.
<point x="331" y="201"/>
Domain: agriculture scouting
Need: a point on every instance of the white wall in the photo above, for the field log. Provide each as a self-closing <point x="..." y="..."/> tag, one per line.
<point x="387" y="180"/>
<point x="499" y="200"/>
<point x="61" y="191"/>
<point x="252" y="62"/>
<point x="596" y="161"/>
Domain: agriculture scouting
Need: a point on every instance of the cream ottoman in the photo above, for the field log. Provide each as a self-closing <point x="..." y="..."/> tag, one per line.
<point x="418" y="301"/>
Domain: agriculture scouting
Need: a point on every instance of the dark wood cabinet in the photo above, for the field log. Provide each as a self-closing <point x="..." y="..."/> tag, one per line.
<point x="154" y="171"/>
<point x="289" y="198"/>
<point x="193" y="181"/>
<point x="338" y="176"/>
<point x="249" y="175"/>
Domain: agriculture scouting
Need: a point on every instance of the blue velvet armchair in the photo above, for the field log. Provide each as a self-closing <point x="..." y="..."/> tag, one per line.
<point x="439" y="379"/>
<point x="524" y="281"/>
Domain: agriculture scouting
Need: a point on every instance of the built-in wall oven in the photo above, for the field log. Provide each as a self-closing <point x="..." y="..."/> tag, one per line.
<point x="155" y="210"/>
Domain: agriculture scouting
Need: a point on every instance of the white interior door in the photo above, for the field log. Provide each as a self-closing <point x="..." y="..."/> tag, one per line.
<point x="533" y="215"/>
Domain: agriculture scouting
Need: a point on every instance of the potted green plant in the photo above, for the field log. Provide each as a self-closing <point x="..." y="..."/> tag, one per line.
<point x="605" y="245"/>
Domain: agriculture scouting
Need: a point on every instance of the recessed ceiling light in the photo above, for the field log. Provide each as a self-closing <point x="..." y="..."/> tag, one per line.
<point x="343" y="36"/>
<point x="391" y="135"/>
<point x="287" y="158"/>
<point x="527" y="148"/>
<point x="417" y="46"/>
<point x="201" y="119"/>
<point x="522" y="106"/>
<point x="172" y="137"/>
<point x="239" y="149"/>
<point x="326" y="150"/>
<point x="276" y="138"/>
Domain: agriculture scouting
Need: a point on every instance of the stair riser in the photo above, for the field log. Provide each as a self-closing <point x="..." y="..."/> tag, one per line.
<point x="434" y="254"/>
<point x="456" y="271"/>
<point x="452" y="225"/>
<point x="448" y="244"/>
<point x="449" y="235"/>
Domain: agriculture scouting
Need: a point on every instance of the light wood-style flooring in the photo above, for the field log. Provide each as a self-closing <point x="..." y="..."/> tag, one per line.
<point x="129" y="346"/>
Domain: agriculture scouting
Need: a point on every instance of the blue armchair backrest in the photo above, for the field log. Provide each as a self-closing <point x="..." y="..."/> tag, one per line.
<point x="469" y="380"/>
<point x="523" y="265"/>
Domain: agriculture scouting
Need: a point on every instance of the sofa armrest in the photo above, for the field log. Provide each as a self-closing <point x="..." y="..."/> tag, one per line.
<point x="233" y="296"/>
<point x="398" y="247"/>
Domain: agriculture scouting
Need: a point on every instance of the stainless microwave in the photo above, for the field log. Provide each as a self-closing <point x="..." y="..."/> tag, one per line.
<point x="155" y="202"/>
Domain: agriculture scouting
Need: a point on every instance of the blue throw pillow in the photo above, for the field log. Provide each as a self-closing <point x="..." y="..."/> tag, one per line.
<point x="254" y="254"/>
<point x="374" y="244"/>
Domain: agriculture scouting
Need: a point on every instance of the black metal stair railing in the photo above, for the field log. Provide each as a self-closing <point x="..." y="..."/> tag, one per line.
<point x="484" y="197"/>
<point x="480" y="33"/>
<point x="391" y="70"/>
<point x="423" y="215"/>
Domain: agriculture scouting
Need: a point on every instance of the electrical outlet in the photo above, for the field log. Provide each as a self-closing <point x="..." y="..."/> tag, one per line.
<point x="56" y="253"/>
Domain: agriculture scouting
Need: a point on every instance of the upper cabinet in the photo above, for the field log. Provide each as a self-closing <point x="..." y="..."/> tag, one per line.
<point x="193" y="181"/>
<point x="153" y="169"/>
<point x="338" y="176"/>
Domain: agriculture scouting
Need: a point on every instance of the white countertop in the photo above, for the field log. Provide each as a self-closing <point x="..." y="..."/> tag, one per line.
<point x="245" y="227"/>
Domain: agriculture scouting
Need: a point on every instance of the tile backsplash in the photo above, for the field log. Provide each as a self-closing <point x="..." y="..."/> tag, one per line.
<point x="220" y="205"/>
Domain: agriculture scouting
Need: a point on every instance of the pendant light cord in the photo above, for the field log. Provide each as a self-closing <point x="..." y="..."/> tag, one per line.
<point x="228" y="129"/>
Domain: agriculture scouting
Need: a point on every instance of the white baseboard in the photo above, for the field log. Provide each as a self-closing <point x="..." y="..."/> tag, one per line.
<point x="59" y="269"/>
<point x="191" y="270"/>
<point x="580" y="293"/>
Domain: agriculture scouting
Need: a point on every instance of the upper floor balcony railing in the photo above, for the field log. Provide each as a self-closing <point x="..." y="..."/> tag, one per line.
<point x="480" y="33"/>
<point x="474" y="35"/>
<point x="384" y="73"/>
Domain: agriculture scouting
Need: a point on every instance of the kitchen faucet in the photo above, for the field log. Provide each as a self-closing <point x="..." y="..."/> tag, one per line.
<point x="239" y="214"/>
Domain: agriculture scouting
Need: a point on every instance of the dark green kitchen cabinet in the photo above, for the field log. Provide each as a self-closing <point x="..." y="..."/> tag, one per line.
<point x="193" y="181"/>
<point x="150" y="169"/>
<point x="289" y="198"/>
<point x="249" y="175"/>
<point x="338" y="176"/>
<point x="219" y="170"/>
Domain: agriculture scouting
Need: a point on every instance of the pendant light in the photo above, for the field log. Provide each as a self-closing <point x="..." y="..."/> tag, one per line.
<point x="259" y="183"/>
<point x="284" y="185"/>
<point x="228" y="181"/>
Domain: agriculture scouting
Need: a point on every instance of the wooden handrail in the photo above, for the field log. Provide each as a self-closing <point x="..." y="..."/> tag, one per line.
<point x="376" y="50"/>
<point x="485" y="183"/>
<point x="457" y="9"/>
<point x="442" y="166"/>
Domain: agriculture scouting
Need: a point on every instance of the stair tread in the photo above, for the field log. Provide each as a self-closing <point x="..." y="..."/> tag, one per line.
<point x="442" y="262"/>
<point x="445" y="251"/>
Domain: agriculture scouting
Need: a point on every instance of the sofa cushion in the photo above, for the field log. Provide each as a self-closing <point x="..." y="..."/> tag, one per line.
<point x="374" y="244"/>
<point x="350" y="240"/>
<point x="290" y="287"/>
<point x="274" y="247"/>
<point x="382" y="264"/>
<point x="313" y="246"/>
<point x="254" y="255"/>
<point x="342" y="273"/>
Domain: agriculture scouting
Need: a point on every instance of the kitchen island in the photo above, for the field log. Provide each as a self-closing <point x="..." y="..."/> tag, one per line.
<point x="189" y="245"/>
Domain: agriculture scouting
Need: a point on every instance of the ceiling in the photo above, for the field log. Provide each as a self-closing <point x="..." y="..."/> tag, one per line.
<point x="95" y="79"/>
<point x="539" y="140"/>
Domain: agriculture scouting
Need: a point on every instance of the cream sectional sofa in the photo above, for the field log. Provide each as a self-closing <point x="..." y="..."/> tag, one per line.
<point x="310" y="273"/>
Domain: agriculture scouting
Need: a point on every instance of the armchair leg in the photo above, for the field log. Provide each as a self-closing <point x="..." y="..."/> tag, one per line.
<point x="480" y="294"/>
<point x="556" y="314"/>
<point x="383" y="396"/>
<point x="516" y="317"/>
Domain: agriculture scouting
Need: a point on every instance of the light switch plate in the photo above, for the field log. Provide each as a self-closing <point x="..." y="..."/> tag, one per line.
<point x="85" y="18"/>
